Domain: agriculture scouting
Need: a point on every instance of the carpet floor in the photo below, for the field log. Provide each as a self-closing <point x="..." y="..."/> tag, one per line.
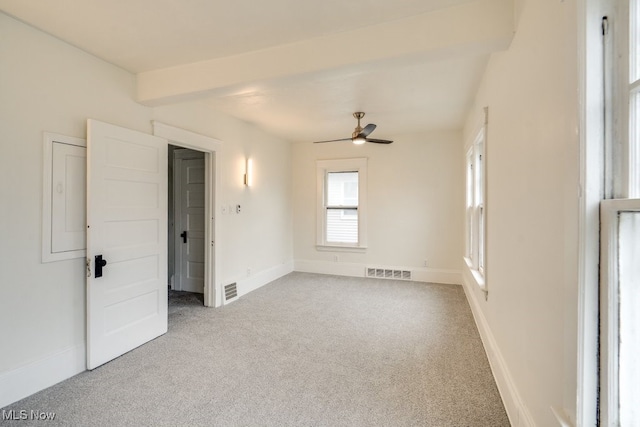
<point x="304" y="350"/>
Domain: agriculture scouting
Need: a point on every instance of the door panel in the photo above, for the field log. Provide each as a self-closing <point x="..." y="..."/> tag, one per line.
<point x="126" y="224"/>
<point x="190" y="218"/>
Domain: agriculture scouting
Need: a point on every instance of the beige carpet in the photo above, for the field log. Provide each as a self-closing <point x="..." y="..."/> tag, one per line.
<point x="305" y="350"/>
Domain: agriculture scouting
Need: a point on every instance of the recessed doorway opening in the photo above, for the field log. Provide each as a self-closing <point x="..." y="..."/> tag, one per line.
<point x="186" y="220"/>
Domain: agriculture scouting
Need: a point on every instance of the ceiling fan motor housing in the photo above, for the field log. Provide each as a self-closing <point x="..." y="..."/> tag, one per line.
<point x="358" y="115"/>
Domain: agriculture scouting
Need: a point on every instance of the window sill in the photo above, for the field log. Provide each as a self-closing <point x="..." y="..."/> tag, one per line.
<point x="477" y="276"/>
<point x="330" y="248"/>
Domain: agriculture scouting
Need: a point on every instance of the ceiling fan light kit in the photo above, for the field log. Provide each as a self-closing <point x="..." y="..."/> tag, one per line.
<point x="360" y="134"/>
<point x="358" y="140"/>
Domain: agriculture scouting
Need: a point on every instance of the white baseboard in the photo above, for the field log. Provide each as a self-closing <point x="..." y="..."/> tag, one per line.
<point x="517" y="411"/>
<point x="261" y="278"/>
<point x="432" y="275"/>
<point x="40" y="374"/>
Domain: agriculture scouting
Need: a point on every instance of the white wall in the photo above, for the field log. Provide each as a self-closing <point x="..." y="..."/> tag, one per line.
<point x="529" y="320"/>
<point x="47" y="85"/>
<point x="260" y="237"/>
<point x="415" y="206"/>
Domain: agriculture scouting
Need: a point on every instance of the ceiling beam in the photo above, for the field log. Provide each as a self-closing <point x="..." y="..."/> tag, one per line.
<point x="474" y="28"/>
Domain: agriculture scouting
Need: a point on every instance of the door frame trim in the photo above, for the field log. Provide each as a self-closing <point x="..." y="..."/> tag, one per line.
<point x="210" y="147"/>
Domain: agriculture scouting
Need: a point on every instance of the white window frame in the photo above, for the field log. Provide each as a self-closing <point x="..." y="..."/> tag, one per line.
<point x="610" y="211"/>
<point x="622" y="175"/>
<point x="475" y="204"/>
<point x="323" y="168"/>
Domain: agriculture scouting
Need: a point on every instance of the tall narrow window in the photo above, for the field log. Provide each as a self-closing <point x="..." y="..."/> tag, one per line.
<point x="342" y="207"/>
<point x="620" y="235"/>
<point x="469" y="206"/>
<point x="341" y="203"/>
<point x="479" y="200"/>
<point x="475" y="205"/>
<point x="633" y="90"/>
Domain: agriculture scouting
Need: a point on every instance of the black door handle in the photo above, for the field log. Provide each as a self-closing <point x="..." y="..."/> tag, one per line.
<point x="184" y="236"/>
<point x="99" y="264"/>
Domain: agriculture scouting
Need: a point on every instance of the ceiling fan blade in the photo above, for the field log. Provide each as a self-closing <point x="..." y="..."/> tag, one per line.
<point x="379" y="141"/>
<point x="368" y="129"/>
<point x="332" y="140"/>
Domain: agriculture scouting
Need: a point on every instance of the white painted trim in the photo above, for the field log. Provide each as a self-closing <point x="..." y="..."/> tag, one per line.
<point x="257" y="280"/>
<point x="40" y="374"/>
<point x="186" y="138"/>
<point x="329" y="248"/>
<point x="517" y="411"/>
<point x="591" y="130"/>
<point x="477" y="276"/>
<point x="430" y="275"/>
<point x="47" y="173"/>
<point x="323" y="167"/>
<point x="213" y="291"/>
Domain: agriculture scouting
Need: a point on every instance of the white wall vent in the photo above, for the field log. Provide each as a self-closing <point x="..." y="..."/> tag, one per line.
<point x="230" y="291"/>
<point x="388" y="273"/>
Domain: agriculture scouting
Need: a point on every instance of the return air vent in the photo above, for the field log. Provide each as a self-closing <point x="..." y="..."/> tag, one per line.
<point x="388" y="273"/>
<point x="230" y="292"/>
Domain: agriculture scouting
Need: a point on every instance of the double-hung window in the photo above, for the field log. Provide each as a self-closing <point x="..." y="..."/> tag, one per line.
<point x="475" y="206"/>
<point x="342" y="203"/>
<point x="620" y="230"/>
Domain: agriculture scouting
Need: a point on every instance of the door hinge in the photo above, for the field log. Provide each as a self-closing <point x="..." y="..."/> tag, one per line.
<point x="605" y="25"/>
<point x="88" y="267"/>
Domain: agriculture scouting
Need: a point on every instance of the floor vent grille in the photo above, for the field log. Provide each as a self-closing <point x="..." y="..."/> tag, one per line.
<point x="388" y="273"/>
<point x="230" y="291"/>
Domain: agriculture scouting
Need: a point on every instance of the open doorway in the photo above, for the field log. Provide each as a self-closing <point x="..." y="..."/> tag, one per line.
<point x="181" y="138"/>
<point x="186" y="226"/>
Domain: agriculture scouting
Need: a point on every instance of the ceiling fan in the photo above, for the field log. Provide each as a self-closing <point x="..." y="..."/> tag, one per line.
<point x="360" y="134"/>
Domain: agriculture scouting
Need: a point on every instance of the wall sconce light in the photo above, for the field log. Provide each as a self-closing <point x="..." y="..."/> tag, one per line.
<point x="248" y="174"/>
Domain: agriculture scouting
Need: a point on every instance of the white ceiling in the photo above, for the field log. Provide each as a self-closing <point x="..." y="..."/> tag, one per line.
<point x="407" y="93"/>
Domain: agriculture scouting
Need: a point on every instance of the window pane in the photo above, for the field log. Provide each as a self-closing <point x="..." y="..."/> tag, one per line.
<point x="479" y="174"/>
<point x="481" y="238"/>
<point x="629" y="279"/>
<point x="634" y="145"/>
<point x="342" y="225"/>
<point x="342" y="189"/>
<point x="469" y="180"/>
<point x="634" y="40"/>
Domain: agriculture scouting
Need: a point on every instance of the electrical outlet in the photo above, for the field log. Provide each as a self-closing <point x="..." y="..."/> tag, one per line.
<point x="425" y="263"/>
<point x="249" y="271"/>
<point x="238" y="209"/>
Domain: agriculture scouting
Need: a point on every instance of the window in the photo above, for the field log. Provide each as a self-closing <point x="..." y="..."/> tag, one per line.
<point x="475" y="205"/>
<point x="620" y="230"/>
<point x="633" y="96"/>
<point x="342" y="203"/>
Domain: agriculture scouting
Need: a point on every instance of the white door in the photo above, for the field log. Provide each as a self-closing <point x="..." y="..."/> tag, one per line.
<point x="190" y="224"/>
<point x="127" y="228"/>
